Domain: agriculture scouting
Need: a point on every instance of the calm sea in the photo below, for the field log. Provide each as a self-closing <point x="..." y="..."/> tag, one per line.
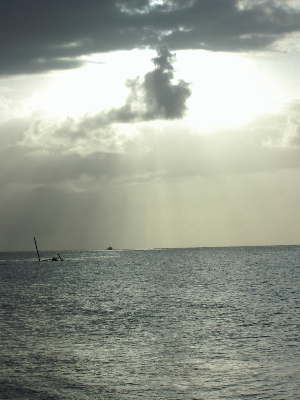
<point x="203" y="323"/>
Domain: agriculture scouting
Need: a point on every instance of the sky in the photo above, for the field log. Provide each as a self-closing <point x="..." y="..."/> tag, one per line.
<point x="149" y="123"/>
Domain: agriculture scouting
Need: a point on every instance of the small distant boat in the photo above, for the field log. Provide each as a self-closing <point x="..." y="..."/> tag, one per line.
<point x="58" y="257"/>
<point x="109" y="248"/>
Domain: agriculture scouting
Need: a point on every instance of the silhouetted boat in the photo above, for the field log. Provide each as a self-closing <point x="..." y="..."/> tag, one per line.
<point x="109" y="248"/>
<point x="58" y="257"/>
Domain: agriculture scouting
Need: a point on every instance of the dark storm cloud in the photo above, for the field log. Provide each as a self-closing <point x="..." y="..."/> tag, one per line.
<point x="155" y="96"/>
<point x="45" y="35"/>
<point x="164" y="99"/>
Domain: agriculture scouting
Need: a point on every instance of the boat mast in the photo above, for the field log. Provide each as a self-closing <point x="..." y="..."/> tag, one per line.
<point x="37" y="250"/>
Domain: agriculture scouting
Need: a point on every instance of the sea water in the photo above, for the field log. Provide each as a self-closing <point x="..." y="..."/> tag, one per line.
<point x="202" y="323"/>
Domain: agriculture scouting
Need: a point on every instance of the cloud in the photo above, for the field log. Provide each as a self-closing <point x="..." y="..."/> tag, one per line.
<point x="42" y="36"/>
<point x="283" y="129"/>
<point x="164" y="99"/>
<point x="155" y="96"/>
<point x="291" y="136"/>
<point x="160" y="175"/>
<point x="84" y="155"/>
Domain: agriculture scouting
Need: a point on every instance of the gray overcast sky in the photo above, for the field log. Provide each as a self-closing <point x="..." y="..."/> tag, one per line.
<point x="149" y="123"/>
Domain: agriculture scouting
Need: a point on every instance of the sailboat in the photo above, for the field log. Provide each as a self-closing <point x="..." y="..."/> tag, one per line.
<point x="58" y="257"/>
<point x="37" y="249"/>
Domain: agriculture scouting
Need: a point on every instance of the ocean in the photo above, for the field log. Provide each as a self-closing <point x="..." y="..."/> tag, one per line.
<point x="194" y="324"/>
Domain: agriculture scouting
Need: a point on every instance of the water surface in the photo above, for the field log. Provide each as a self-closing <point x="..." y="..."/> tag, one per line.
<point x="206" y="323"/>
